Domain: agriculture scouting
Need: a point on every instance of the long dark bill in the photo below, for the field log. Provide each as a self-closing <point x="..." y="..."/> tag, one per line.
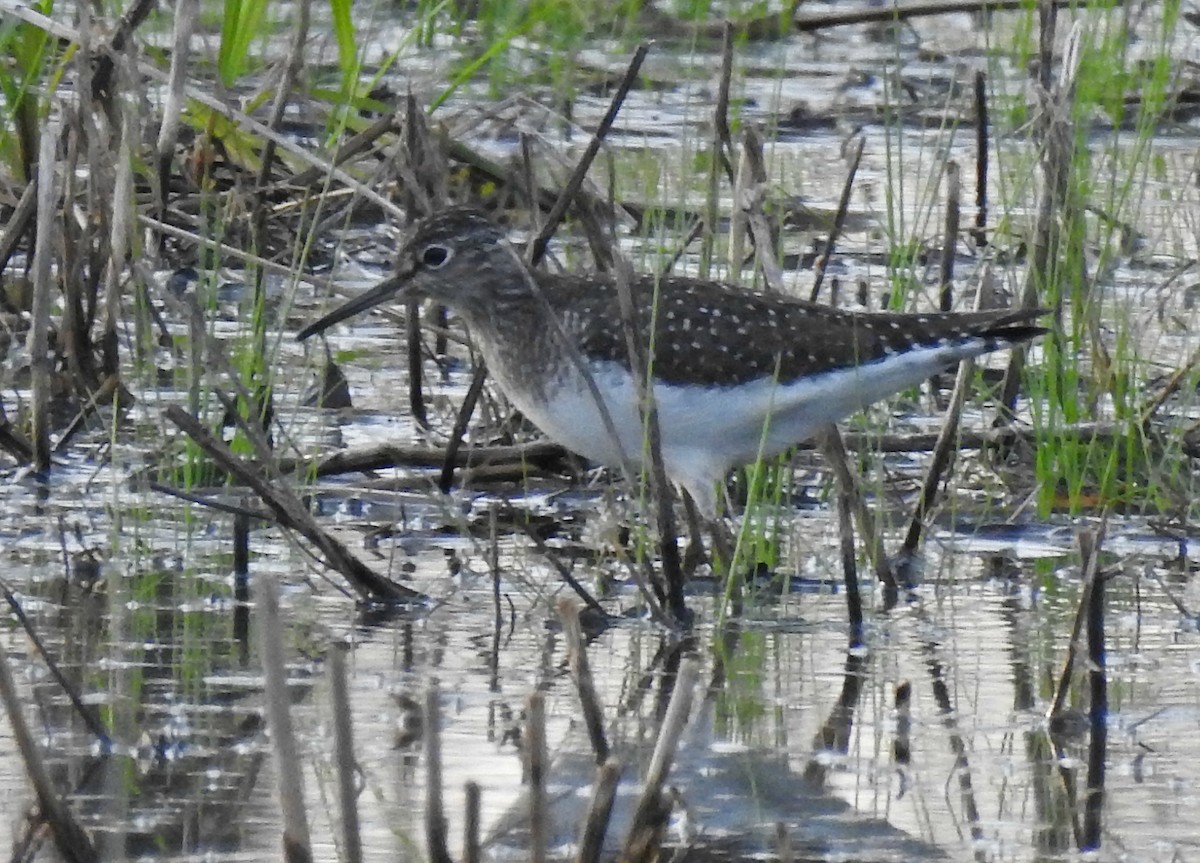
<point x="385" y="290"/>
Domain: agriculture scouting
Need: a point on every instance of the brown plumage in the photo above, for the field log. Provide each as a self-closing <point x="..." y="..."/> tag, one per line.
<point x="737" y="375"/>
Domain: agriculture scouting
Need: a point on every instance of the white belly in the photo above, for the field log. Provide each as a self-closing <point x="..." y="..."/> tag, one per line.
<point x="707" y="431"/>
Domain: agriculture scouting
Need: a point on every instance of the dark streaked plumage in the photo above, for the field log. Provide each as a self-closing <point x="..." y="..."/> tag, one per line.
<point x="737" y="374"/>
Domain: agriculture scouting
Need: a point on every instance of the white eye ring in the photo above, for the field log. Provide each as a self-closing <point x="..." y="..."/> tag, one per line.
<point x="435" y="256"/>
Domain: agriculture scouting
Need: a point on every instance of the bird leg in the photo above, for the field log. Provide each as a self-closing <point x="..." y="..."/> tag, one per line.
<point x="723" y="540"/>
<point x="693" y="554"/>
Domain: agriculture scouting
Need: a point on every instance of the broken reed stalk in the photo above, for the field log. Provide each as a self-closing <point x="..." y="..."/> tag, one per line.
<point x="783" y="843"/>
<point x="38" y="340"/>
<point x="750" y="199"/>
<point x="723" y="138"/>
<point x="121" y="235"/>
<point x="979" y="232"/>
<point x="832" y="447"/>
<point x="553" y="558"/>
<point x="537" y="248"/>
<point x="950" y="235"/>
<point x="593" y="714"/>
<point x="289" y="512"/>
<point x="461" y="421"/>
<point x="1054" y="119"/>
<point x="344" y="762"/>
<point x="944" y="451"/>
<point x="472" y="850"/>
<point x="503" y="462"/>
<point x="537" y="763"/>
<point x="943" y="454"/>
<point x="435" y="813"/>
<point x="173" y="102"/>
<point x="422" y="167"/>
<point x="416" y="376"/>
<point x="902" y="742"/>
<point x="1098" y="711"/>
<point x="241" y="586"/>
<point x="19" y="219"/>
<point x="1089" y="543"/>
<point x="87" y="713"/>
<point x="1089" y="548"/>
<point x="595" y="825"/>
<point x="652" y="809"/>
<point x="297" y="847"/>
<point x="712" y="211"/>
<point x="839" y="220"/>
<point x="69" y="837"/>
<point x="109" y="392"/>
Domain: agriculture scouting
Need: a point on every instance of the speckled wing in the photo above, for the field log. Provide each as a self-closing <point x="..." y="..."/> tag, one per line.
<point x="712" y="334"/>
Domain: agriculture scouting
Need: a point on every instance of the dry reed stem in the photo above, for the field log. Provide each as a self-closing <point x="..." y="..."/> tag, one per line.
<point x="593" y="713"/>
<point x="537" y="763"/>
<point x="537" y="247"/>
<point x="750" y="201"/>
<point x="833" y="448"/>
<point x="662" y="496"/>
<point x="652" y="809"/>
<point x="809" y="20"/>
<point x="173" y="100"/>
<point x="344" y="761"/>
<point x="979" y="232"/>
<point x="472" y="850"/>
<point x="86" y="712"/>
<point x="541" y="453"/>
<point x="297" y="847"/>
<point x="435" y="817"/>
<point x="950" y="235"/>
<point x="720" y="141"/>
<point x="946" y="447"/>
<point x="595" y="824"/>
<point x="462" y="421"/>
<point x="839" y="220"/>
<point x="38" y="339"/>
<point x="69" y="837"/>
<point x="1089" y="544"/>
<point x="1093" y="805"/>
<point x="1056" y="127"/>
<point x="943" y="455"/>
<point x="288" y="511"/>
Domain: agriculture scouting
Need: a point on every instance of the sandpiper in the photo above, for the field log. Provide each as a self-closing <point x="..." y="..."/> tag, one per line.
<point x="737" y="375"/>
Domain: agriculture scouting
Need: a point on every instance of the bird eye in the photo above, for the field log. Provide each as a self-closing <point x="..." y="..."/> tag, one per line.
<point x="435" y="256"/>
